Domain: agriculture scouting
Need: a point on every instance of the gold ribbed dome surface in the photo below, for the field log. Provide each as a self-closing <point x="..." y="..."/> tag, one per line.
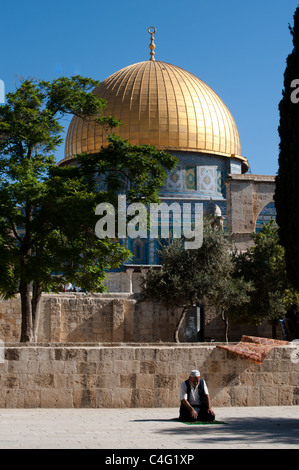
<point x="162" y="105"/>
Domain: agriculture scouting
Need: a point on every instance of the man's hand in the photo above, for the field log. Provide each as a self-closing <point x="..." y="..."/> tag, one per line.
<point x="191" y="410"/>
<point x="209" y="406"/>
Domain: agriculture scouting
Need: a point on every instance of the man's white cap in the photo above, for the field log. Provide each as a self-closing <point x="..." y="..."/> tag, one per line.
<point x="194" y="373"/>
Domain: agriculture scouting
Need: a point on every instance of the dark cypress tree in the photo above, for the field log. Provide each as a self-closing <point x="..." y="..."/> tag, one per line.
<point x="287" y="180"/>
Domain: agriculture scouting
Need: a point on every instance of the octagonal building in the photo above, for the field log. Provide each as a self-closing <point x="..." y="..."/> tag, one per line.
<point x="166" y="106"/>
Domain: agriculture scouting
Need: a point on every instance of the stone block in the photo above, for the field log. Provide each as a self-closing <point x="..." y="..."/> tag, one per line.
<point x="85" y="398"/>
<point x="2" y="397"/>
<point x="59" y="354"/>
<point x="214" y="366"/>
<point x="148" y="367"/>
<point x="44" y="354"/>
<point x="128" y="381"/>
<point x="231" y="379"/>
<point x="239" y="396"/>
<point x="51" y="367"/>
<point x="145" y="381"/>
<point x="124" y="367"/>
<point x="109" y="354"/>
<point x="14" y="398"/>
<point x="103" y="398"/>
<point x="32" y="399"/>
<point x="12" y="354"/>
<point x="253" y="396"/>
<point x="78" y="354"/>
<point x="285" y="395"/>
<point x="78" y="381"/>
<point x="248" y="378"/>
<point x="162" y="398"/>
<point x="294" y="378"/>
<point x="122" y="398"/>
<point x="163" y="368"/>
<point x="32" y="367"/>
<point x="181" y="355"/>
<point x="54" y="398"/>
<point x="146" y="354"/>
<point x="281" y="378"/>
<point x="176" y="368"/>
<point x="220" y="397"/>
<point x="104" y="367"/>
<point x="11" y="381"/>
<point x="93" y="355"/>
<point x="70" y="367"/>
<point x="36" y="381"/>
<point x="16" y="367"/>
<point x="265" y="379"/>
<point x="87" y="367"/>
<point x="126" y="354"/>
<point x="296" y="396"/>
<point x="105" y="381"/>
<point x="165" y="355"/>
<point x="3" y="367"/>
<point x="212" y="380"/>
<point x="174" y="399"/>
<point x="143" y="398"/>
<point x="268" y="396"/>
<point x="165" y="381"/>
<point x="61" y="381"/>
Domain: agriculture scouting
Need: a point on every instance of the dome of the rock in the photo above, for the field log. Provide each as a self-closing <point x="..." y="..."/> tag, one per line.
<point x="162" y="105"/>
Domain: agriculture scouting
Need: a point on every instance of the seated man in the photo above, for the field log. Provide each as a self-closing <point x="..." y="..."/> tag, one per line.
<point x="195" y="400"/>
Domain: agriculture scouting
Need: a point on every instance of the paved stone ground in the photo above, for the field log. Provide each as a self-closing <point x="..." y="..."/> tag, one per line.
<point x="246" y="428"/>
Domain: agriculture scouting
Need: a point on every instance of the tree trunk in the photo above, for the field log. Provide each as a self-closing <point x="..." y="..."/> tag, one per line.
<point x="26" y="252"/>
<point x="225" y="319"/>
<point x="226" y="329"/>
<point x="35" y="306"/>
<point x="26" y="328"/>
<point x="179" y="324"/>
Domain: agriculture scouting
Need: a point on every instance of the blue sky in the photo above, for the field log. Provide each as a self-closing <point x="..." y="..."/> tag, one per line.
<point x="238" y="48"/>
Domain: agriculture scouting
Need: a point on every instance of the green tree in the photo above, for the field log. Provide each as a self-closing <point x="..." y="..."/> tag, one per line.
<point x="203" y="275"/>
<point x="286" y="193"/>
<point x="47" y="213"/>
<point x="229" y="296"/>
<point x="264" y="265"/>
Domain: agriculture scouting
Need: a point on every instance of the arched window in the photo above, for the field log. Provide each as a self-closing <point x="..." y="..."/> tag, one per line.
<point x="267" y="213"/>
<point x="139" y="251"/>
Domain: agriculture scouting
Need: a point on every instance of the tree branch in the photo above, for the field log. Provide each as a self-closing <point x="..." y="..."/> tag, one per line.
<point x="15" y="230"/>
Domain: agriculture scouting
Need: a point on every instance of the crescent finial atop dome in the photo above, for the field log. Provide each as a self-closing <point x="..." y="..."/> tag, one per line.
<point x="152" y="30"/>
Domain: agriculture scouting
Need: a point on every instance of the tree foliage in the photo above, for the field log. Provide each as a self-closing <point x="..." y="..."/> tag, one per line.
<point x="248" y="288"/>
<point x="264" y="265"/>
<point x="286" y="193"/>
<point x="203" y="275"/>
<point x="47" y="213"/>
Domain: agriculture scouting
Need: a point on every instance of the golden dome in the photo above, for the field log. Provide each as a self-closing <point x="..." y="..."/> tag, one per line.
<point x="162" y="105"/>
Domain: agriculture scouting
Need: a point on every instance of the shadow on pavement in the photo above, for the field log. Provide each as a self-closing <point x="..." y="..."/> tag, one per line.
<point x="284" y="431"/>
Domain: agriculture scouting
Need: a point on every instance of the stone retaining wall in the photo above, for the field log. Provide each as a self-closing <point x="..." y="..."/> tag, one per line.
<point x="93" y="318"/>
<point x="128" y="376"/>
